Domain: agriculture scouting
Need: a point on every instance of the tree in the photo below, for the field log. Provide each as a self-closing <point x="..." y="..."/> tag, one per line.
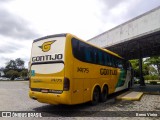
<point x="1" y="71"/>
<point x="15" y="68"/>
<point x="12" y="74"/>
<point x="24" y="73"/>
<point x="11" y="65"/>
<point x="152" y="70"/>
<point x="154" y="61"/>
<point x="19" y="63"/>
<point x="135" y="66"/>
<point x="145" y="69"/>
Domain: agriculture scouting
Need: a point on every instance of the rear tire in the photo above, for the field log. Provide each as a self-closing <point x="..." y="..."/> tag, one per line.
<point x="95" y="96"/>
<point x="104" y="94"/>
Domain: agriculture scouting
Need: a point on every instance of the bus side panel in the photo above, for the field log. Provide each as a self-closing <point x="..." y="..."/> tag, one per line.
<point x="82" y="78"/>
<point x="112" y="80"/>
<point x="77" y="96"/>
<point x="87" y="76"/>
<point x="69" y="66"/>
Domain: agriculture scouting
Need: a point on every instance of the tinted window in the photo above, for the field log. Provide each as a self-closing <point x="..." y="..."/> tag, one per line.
<point x="90" y="54"/>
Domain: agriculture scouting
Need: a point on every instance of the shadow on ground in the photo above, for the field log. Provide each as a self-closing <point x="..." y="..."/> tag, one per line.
<point x="85" y="109"/>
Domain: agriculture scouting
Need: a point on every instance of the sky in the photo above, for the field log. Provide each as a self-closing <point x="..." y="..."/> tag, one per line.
<point x="22" y="21"/>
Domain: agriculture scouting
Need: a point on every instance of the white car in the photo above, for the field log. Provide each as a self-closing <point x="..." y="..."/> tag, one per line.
<point x="18" y="78"/>
<point x="4" y="78"/>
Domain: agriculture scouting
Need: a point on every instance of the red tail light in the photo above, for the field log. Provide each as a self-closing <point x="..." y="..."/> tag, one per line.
<point x="66" y="84"/>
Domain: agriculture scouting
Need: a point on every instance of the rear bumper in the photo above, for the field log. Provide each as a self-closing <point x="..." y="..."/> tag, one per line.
<point x="51" y="98"/>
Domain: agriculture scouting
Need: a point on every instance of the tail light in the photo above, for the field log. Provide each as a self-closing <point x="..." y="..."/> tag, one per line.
<point x="66" y="84"/>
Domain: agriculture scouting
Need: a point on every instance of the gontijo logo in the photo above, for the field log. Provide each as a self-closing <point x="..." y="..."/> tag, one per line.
<point x="46" y="46"/>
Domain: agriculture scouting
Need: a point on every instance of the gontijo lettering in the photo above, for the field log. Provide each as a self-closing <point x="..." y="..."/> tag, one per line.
<point x="47" y="58"/>
<point x="104" y="71"/>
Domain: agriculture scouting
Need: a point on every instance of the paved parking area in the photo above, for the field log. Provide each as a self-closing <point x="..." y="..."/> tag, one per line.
<point x="14" y="97"/>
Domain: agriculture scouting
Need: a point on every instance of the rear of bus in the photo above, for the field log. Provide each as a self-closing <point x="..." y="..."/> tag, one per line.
<point x="48" y="83"/>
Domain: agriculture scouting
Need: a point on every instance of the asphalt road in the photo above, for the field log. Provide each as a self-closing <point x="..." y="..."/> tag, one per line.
<point x="14" y="97"/>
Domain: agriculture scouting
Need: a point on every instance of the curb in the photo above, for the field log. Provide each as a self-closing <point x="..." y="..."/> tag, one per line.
<point x="136" y="98"/>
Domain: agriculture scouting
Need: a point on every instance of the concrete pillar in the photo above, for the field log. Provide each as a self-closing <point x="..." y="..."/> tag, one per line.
<point x="142" y="83"/>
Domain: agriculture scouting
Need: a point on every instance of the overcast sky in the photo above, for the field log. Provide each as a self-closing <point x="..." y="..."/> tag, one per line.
<point x="22" y="21"/>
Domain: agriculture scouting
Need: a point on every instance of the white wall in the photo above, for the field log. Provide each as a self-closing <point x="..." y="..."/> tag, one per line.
<point x="139" y="26"/>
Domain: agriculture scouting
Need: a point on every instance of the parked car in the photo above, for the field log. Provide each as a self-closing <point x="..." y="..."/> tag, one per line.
<point x="18" y="78"/>
<point x="4" y="78"/>
<point x="26" y="78"/>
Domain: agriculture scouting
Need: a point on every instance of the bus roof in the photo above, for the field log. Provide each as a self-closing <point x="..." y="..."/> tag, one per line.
<point x="113" y="53"/>
<point x="51" y="36"/>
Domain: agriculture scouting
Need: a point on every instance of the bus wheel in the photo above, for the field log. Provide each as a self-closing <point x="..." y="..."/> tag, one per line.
<point x="96" y="96"/>
<point x="104" y="94"/>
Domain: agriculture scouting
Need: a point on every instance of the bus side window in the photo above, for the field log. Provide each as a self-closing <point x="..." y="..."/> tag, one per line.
<point x="82" y="52"/>
<point x="88" y="57"/>
<point x="114" y="62"/>
<point x="96" y="56"/>
<point x="105" y="59"/>
<point x="109" y="60"/>
<point x="100" y="57"/>
<point x="75" y="45"/>
<point x="120" y="65"/>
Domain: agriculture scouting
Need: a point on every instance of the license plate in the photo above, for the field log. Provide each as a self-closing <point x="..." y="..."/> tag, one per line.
<point x="44" y="91"/>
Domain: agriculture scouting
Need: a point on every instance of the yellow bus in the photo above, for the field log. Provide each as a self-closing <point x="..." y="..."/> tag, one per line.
<point x="67" y="70"/>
